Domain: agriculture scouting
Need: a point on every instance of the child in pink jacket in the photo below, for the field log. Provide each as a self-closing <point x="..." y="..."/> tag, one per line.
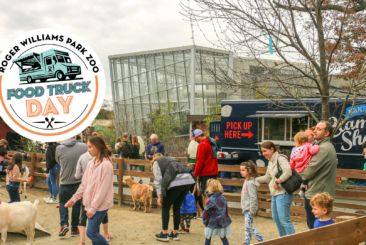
<point x="301" y="156"/>
<point x="96" y="188"/>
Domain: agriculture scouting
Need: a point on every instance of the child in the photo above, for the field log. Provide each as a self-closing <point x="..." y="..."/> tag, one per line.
<point x="301" y="156"/>
<point x="187" y="211"/>
<point x="12" y="177"/>
<point x="249" y="200"/>
<point x="215" y="216"/>
<point x="322" y="205"/>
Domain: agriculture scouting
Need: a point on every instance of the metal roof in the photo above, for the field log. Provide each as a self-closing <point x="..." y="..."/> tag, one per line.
<point x="25" y="57"/>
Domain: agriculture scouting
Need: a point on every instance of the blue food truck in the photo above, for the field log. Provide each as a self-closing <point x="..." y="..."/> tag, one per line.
<point x="245" y="124"/>
<point x="49" y="64"/>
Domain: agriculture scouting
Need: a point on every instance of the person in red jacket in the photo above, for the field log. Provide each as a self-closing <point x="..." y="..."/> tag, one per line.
<point x="206" y="165"/>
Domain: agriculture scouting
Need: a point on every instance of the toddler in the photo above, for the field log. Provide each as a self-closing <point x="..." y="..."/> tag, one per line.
<point x="322" y="205"/>
<point x="187" y="211"/>
<point x="12" y="177"/>
<point x="301" y="156"/>
<point x="215" y="216"/>
<point x="249" y="200"/>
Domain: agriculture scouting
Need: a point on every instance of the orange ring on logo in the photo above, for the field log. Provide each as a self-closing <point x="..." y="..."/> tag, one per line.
<point x="52" y="134"/>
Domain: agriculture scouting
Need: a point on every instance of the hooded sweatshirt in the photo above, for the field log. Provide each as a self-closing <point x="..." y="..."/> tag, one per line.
<point x="82" y="164"/>
<point x="67" y="155"/>
<point x="96" y="189"/>
<point x="206" y="164"/>
<point x="249" y="199"/>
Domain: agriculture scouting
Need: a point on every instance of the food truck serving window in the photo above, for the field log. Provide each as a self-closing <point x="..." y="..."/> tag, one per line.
<point x="281" y="127"/>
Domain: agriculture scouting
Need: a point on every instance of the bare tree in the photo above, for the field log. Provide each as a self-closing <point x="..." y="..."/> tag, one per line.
<point x="307" y="36"/>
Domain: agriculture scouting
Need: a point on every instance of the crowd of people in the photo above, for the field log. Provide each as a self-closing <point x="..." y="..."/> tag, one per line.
<point x="86" y="183"/>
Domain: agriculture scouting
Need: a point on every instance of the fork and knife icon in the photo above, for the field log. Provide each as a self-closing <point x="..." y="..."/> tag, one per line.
<point x="49" y="122"/>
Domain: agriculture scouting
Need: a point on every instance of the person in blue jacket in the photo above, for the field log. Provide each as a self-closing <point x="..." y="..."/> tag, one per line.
<point x="154" y="147"/>
<point x="187" y="212"/>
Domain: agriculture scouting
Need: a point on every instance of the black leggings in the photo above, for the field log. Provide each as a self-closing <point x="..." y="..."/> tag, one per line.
<point x="174" y="196"/>
<point x="84" y="218"/>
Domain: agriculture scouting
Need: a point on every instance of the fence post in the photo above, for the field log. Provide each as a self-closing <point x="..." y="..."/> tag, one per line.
<point x="33" y="164"/>
<point x="120" y="184"/>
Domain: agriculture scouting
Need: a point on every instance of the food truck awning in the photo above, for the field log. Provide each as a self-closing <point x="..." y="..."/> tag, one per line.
<point x="278" y="115"/>
<point x="30" y="58"/>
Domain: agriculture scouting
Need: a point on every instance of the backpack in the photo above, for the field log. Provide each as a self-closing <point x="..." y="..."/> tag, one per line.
<point x="128" y="150"/>
<point x="215" y="147"/>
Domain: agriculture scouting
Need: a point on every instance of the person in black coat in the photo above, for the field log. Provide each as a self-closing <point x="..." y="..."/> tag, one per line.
<point x="136" y="151"/>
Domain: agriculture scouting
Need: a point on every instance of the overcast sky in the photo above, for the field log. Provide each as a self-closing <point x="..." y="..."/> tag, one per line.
<point x="110" y="27"/>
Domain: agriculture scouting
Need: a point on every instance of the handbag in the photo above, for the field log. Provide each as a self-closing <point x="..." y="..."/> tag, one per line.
<point x="293" y="183"/>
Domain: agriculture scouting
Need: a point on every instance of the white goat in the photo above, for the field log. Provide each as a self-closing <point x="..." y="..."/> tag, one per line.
<point x="24" y="174"/>
<point x="16" y="217"/>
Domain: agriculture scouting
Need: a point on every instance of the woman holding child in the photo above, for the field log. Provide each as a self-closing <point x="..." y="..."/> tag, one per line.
<point x="281" y="201"/>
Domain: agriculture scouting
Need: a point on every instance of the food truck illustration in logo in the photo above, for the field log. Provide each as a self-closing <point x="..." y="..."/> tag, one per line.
<point x="52" y="63"/>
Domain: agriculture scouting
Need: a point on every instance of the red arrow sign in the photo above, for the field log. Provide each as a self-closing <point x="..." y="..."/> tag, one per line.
<point x="216" y="138"/>
<point x="249" y="135"/>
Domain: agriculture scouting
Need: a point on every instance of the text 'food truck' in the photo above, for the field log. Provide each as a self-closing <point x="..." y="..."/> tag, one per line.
<point x="49" y="64"/>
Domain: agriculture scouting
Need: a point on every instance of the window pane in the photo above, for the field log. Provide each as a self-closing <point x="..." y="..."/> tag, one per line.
<point x="274" y="129"/>
<point x="288" y="129"/>
<point x="299" y="124"/>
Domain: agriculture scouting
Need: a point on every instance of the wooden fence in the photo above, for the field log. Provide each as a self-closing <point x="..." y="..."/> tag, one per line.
<point x="37" y="161"/>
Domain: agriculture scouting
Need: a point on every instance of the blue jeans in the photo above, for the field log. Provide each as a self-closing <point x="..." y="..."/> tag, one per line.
<point x="66" y="192"/>
<point x="117" y="167"/>
<point x="281" y="205"/>
<point x="52" y="180"/>
<point x="93" y="228"/>
<point x="13" y="194"/>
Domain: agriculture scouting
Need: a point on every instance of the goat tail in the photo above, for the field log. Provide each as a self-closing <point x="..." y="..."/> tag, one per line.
<point x="36" y="202"/>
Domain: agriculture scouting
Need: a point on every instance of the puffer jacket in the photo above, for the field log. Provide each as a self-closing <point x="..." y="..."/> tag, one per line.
<point x="216" y="213"/>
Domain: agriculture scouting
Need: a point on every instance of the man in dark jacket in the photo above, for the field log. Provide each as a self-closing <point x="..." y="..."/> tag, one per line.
<point x="206" y="165"/>
<point x="53" y="168"/>
<point x="67" y="155"/>
<point x="154" y="147"/>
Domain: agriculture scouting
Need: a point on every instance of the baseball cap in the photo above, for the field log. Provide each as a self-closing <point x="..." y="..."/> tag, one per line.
<point x="196" y="132"/>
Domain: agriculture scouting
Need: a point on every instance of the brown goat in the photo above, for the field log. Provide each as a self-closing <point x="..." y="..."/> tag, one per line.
<point x="139" y="193"/>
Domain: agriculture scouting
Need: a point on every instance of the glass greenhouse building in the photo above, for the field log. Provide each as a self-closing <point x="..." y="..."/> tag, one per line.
<point x="142" y="81"/>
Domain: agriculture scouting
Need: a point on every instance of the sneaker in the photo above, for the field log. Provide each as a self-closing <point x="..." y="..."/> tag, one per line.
<point x="75" y="233"/>
<point x="63" y="230"/>
<point x="162" y="237"/>
<point x="47" y="198"/>
<point x="182" y="232"/>
<point x="52" y="201"/>
<point x="140" y="182"/>
<point x="187" y="230"/>
<point x="173" y="237"/>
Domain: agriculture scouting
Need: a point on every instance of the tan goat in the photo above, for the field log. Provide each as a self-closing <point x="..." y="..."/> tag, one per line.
<point x="139" y="193"/>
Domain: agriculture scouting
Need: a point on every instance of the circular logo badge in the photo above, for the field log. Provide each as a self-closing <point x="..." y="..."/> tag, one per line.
<point x="52" y="85"/>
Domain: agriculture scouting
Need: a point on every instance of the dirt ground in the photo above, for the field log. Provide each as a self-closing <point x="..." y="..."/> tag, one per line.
<point x="134" y="227"/>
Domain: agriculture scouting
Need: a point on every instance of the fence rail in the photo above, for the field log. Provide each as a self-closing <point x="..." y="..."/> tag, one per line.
<point x="37" y="161"/>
